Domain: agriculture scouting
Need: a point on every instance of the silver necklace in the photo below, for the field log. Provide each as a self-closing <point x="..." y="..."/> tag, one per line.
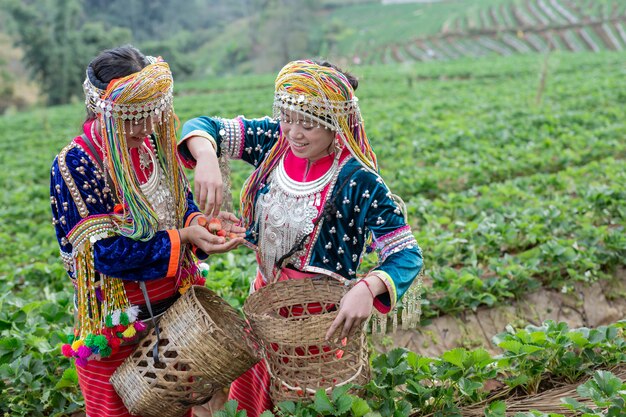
<point x="286" y="213"/>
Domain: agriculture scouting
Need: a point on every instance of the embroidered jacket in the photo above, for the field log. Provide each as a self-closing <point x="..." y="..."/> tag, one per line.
<point x="81" y="203"/>
<point x="362" y="207"/>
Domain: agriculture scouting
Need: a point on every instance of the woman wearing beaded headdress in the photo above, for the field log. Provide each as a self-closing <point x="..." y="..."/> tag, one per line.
<point x="124" y="217"/>
<point x="313" y="202"/>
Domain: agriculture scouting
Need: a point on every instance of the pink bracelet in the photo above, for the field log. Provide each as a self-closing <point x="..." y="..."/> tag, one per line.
<point x="368" y="287"/>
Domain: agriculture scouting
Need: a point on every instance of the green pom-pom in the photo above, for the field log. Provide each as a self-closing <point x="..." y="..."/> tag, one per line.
<point x="108" y="321"/>
<point x="119" y="334"/>
<point x="100" y="341"/>
<point x="70" y="338"/>
<point x="204" y="273"/>
<point x="105" y="352"/>
<point x="89" y="340"/>
<point x="124" y="319"/>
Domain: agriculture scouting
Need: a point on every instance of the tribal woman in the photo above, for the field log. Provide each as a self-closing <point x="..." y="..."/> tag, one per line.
<point x="124" y="217"/>
<point x="314" y="201"/>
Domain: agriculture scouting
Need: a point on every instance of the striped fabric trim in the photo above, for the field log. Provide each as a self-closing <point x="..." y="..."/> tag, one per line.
<point x="395" y="241"/>
<point x="391" y="289"/>
<point x="69" y="181"/>
<point x="174" y="253"/>
<point x="191" y="217"/>
<point x="94" y="228"/>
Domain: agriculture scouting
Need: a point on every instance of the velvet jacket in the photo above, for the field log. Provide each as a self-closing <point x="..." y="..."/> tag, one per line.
<point x="362" y="207"/>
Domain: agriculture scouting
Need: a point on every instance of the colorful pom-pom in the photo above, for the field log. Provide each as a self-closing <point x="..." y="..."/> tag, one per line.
<point x="89" y="340"/>
<point x="108" y="321"/>
<point x="132" y="313"/>
<point x="77" y="343"/>
<point x="140" y="326"/>
<point x="115" y="316"/>
<point x="100" y="341"/>
<point x="129" y="333"/>
<point x="67" y="351"/>
<point x="82" y="362"/>
<point x="70" y="338"/>
<point x="105" y="352"/>
<point x="83" y="352"/>
<point x="124" y="319"/>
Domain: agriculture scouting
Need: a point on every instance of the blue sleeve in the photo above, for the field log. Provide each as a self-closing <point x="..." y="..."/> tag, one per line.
<point x="129" y="259"/>
<point x="76" y="193"/>
<point x="400" y="258"/>
<point x="240" y="138"/>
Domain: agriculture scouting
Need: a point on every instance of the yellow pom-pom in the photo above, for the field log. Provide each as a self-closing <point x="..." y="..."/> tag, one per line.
<point x="129" y="332"/>
<point x="77" y="343"/>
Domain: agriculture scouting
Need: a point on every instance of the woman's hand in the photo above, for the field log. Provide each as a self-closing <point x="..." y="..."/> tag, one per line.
<point x="356" y="306"/>
<point x="206" y="241"/>
<point x="208" y="186"/>
<point x="231" y="224"/>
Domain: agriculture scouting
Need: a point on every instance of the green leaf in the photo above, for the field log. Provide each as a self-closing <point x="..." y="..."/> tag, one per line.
<point x="607" y="382"/>
<point x="469" y="387"/>
<point x="68" y="379"/>
<point x="267" y="413"/>
<point x="288" y="407"/>
<point x="572" y="404"/>
<point x="511" y="345"/>
<point x="340" y="391"/>
<point x="360" y="407"/>
<point x="343" y="404"/>
<point x="231" y="408"/>
<point x="496" y="409"/>
<point x="322" y="403"/>
<point x="455" y="356"/>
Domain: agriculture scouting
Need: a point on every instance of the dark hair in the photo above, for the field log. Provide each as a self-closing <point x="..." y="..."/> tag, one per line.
<point x="114" y="63"/>
<point x="354" y="82"/>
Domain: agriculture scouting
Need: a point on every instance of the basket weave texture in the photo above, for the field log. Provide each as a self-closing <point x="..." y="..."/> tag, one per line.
<point x="290" y="319"/>
<point x="203" y="347"/>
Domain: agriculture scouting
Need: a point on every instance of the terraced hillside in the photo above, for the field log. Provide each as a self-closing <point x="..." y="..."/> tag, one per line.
<point x="514" y="27"/>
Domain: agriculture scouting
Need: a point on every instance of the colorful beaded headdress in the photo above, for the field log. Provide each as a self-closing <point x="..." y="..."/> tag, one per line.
<point x="136" y="98"/>
<point x="105" y="317"/>
<point x="321" y="95"/>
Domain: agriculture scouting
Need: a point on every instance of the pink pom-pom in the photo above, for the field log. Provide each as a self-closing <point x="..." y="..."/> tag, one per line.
<point x="82" y="362"/>
<point x="139" y="326"/>
<point x="84" y="352"/>
<point x="67" y="351"/>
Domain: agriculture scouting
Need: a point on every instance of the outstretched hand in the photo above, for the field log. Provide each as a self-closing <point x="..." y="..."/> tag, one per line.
<point x="206" y="241"/>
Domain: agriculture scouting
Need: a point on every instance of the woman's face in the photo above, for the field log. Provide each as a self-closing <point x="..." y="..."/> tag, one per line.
<point x="306" y="139"/>
<point x="136" y="133"/>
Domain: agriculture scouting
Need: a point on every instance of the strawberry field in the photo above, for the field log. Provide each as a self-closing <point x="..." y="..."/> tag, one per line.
<point x="509" y="187"/>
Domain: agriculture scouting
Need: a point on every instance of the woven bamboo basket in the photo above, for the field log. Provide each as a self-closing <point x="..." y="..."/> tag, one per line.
<point x="203" y="347"/>
<point x="290" y="319"/>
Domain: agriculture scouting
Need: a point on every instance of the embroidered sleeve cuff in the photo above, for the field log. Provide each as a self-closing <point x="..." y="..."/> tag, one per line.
<point x="191" y="217"/>
<point x="391" y="295"/>
<point x="232" y="137"/>
<point x="395" y="241"/>
<point x="174" y="254"/>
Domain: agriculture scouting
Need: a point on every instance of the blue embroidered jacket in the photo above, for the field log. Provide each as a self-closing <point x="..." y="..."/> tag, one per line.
<point x="362" y="207"/>
<point x="78" y="194"/>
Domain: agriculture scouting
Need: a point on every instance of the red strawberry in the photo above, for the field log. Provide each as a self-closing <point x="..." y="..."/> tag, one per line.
<point x="221" y="233"/>
<point x="202" y="221"/>
<point x="214" y="225"/>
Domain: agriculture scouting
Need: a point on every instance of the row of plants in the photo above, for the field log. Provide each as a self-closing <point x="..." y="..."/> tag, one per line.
<point x="495" y="242"/>
<point x="533" y="359"/>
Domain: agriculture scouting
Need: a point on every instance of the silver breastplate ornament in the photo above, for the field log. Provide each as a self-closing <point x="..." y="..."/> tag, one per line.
<point x="285" y="214"/>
